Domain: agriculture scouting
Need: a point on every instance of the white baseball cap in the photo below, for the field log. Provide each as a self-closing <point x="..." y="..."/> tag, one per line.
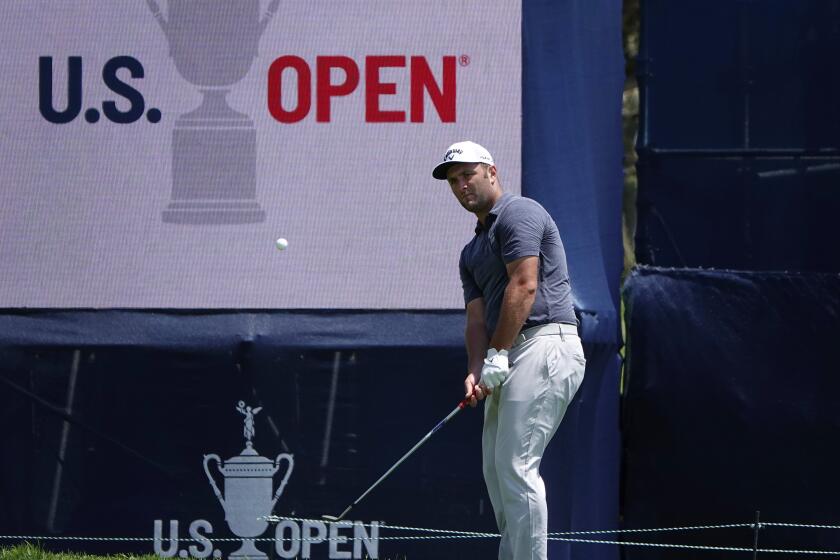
<point x="462" y="152"/>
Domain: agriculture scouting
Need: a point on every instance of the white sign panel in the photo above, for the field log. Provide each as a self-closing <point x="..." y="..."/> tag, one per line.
<point x="154" y="151"/>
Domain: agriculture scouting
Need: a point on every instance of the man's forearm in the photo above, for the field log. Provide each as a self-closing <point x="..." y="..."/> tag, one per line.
<point x="516" y="305"/>
<point x="476" y="341"/>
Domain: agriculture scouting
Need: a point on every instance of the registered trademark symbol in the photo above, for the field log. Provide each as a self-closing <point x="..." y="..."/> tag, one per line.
<point x="464" y="60"/>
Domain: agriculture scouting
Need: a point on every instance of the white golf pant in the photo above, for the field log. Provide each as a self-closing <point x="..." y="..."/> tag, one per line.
<point x="520" y="417"/>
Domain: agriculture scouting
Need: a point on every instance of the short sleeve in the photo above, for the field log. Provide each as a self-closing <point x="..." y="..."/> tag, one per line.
<point x="519" y="230"/>
<point x="471" y="290"/>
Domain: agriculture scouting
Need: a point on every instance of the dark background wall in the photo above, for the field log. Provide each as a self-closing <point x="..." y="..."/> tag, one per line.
<point x="739" y="138"/>
<point x="730" y="375"/>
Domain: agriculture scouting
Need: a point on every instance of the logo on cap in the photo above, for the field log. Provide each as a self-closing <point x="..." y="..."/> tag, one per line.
<point x="450" y="154"/>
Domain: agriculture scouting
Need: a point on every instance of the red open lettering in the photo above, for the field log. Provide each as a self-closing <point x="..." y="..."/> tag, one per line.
<point x="326" y="89"/>
<point x="275" y="89"/>
<point x="443" y="94"/>
<point x="442" y="98"/>
<point x="374" y="88"/>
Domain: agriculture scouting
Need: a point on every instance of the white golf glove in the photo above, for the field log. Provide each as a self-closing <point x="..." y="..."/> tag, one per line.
<point x="495" y="368"/>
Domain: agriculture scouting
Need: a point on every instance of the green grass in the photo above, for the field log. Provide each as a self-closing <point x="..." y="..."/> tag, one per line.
<point x="29" y="551"/>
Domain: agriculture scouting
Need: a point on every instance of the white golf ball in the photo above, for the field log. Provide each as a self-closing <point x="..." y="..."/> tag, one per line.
<point x="281" y="243"/>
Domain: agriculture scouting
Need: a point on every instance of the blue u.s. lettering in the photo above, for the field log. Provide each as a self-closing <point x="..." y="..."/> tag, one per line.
<point x="109" y="108"/>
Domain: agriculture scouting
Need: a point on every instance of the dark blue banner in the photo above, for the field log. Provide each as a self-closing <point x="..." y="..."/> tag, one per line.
<point x="730" y="407"/>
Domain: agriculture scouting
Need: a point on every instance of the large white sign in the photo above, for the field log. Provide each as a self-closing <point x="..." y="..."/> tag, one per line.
<point x="154" y="150"/>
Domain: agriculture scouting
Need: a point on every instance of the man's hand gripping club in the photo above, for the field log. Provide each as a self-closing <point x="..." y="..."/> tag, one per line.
<point x="494" y="371"/>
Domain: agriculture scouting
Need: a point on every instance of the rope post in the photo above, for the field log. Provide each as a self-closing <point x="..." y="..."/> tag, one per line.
<point x="756" y="527"/>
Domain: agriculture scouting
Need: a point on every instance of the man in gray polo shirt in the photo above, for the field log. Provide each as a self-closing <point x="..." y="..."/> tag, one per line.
<point x="524" y="354"/>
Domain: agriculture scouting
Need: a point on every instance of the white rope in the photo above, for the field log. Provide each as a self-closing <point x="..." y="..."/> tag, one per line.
<point x="661" y="529"/>
<point x="383" y="525"/>
<point x="801" y="525"/>
<point x="700" y="547"/>
<point x="275" y="519"/>
<point x="342" y="538"/>
<point x="108" y="539"/>
<point x="440" y="534"/>
<point x="52" y="538"/>
<point x="437" y="537"/>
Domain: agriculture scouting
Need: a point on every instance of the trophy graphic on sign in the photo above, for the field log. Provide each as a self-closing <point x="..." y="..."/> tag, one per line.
<point x="247" y="499"/>
<point x="214" y="148"/>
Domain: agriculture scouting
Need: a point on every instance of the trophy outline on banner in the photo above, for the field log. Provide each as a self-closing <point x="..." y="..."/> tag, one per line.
<point x="213" y="44"/>
<point x="247" y="499"/>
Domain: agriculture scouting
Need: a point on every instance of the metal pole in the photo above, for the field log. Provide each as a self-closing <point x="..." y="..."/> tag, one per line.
<point x="62" y="449"/>
<point x="325" y="454"/>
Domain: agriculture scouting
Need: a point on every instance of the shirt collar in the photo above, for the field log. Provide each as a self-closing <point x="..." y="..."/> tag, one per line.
<point x="500" y="204"/>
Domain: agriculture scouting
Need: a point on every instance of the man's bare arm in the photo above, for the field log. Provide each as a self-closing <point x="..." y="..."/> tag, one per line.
<point x="521" y="291"/>
<point x="476" y="340"/>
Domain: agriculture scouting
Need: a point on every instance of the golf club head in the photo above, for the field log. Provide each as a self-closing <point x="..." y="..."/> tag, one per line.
<point x="331" y="518"/>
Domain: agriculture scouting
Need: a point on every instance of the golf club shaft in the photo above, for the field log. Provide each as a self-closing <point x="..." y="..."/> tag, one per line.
<point x="439" y="425"/>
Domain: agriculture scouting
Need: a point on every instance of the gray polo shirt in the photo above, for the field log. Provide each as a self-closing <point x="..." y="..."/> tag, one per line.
<point x="517" y="227"/>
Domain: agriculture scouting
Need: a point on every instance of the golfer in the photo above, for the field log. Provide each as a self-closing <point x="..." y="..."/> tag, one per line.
<point x="524" y="354"/>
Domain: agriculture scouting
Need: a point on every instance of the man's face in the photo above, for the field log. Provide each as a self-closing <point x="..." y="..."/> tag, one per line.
<point x="474" y="185"/>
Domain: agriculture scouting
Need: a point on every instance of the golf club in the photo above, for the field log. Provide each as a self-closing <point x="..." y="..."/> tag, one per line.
<point x="439" y="425"/>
